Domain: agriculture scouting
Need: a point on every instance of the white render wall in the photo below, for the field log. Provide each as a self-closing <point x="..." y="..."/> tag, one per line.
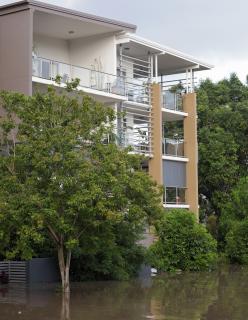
<point x="52" y="48"/>
<point x="98" y="51"/>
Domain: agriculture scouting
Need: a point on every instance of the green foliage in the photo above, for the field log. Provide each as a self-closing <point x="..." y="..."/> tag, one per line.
<point x="59" y="178"/>
<point x="112" y="252"/>
<point x="234" y="224"/>
<point x="237" y="207"/>
<point x="177" y="88"/>
<point x="217" y="164"/>
<point x="237" y="242"/>
<point x="223" y="158"/>
<point x="183" y="244"/>
<point x="212" y="226"/>
<point x="114" y="255"/>
<point x="223" y="143"/>
<point x="173" y="129"/>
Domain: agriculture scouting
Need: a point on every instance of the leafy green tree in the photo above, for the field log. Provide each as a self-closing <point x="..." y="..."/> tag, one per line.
<point x="59" y="177"/>
<point x="113" y="254"/>
<point x="182" y="243"/>
<point x="217" y="164"/>
<point x="211" y="226"/>
<point x="237" y="242"/>
<point x="223" y="143"/>
<point x="234" y="222"/>
<point x="237" y="207"/>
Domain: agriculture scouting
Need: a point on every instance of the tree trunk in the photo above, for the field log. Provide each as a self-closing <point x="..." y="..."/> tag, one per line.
<point x="65" y="306"/>
<point x="64" y="267"/>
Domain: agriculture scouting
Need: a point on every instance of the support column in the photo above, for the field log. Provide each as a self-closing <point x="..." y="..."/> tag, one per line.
<point x="16" y="41"/>
<point x="191" y="152"/>
<point x="155" y="163"/>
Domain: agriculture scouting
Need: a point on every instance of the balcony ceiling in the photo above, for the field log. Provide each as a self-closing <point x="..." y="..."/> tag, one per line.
<point x="59" y="26"/>
<point x="171" y="64"/>
<point x="170" y="61"/>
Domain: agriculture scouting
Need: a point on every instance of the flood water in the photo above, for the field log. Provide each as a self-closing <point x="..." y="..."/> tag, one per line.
<point x="220" y="295"/>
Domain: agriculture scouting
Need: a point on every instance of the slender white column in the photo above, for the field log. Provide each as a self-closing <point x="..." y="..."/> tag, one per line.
<point x="156" y="68"/>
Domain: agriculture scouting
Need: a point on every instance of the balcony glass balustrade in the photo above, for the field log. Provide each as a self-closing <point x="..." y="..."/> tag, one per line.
<point x="137" y="137"/>
<point x="172" y="100"/>
<point x="133" y="89"/>
<point x="173" y="147"/>
<point x="174" y="195"/>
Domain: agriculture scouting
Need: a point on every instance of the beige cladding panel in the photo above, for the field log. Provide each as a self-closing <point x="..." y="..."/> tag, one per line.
<point x="16" y="31"/>
<point x="191" y="151"/>
<point x="155" y="163"/>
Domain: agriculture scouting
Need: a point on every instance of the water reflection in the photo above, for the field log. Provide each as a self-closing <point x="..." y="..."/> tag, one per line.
<point x="188" y="296"/>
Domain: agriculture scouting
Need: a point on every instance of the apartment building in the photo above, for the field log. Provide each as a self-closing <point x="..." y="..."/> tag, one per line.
<point x="152" y="84"/>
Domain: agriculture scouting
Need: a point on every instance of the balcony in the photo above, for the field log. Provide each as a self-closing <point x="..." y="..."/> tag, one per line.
<point x="132" y="90"/>
<point x="89" y="78"/>
<point x="136" y="137"/>
<point x="173" y="147"/>
<point x="137" y="91"/>
<point x="174" y="196"/>
<point x="172" y="101"/>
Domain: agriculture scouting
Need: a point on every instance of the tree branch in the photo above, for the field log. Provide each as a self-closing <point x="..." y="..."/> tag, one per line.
<point x="53" y="234"/>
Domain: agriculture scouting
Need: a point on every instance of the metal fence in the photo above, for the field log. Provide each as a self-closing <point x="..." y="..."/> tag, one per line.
<point x="17" y="271"/>
<point x="36" y="270"/>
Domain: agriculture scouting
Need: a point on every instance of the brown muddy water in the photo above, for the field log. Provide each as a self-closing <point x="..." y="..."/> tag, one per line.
<point x="220" y="295"/>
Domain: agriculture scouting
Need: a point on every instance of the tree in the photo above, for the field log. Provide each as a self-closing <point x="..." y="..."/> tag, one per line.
<point x="237" y="242"/>
<point x="234" y="222"/>
<point x="223" y="143"/>
<point x="237" y="207"/>
<point x="112" y="254"/>
<point x="217" y="164"/>
<point x="182" y="244"/>
<point x="59" y="177"/>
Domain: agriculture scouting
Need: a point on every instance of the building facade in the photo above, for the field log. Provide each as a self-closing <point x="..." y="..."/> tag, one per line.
<point x="152" y="85"/>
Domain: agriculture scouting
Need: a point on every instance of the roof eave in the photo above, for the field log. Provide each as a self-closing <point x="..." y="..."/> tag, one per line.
<point x="160" y="49"/>
<point x="25" y="4"/>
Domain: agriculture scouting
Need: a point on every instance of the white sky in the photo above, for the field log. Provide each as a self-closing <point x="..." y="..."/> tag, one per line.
<point x="214" y="31"/>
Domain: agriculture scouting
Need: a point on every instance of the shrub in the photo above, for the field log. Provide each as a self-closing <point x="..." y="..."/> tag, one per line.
<point x="212" y="225"/>
<point x="109" y="263"/>
<point x="233" y="214"/>
<point x="237" y="242"/>
<point x="112" y="253"/>
<point x="182" y="244"/>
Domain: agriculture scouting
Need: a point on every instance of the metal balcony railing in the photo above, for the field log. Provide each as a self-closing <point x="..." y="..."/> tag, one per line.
<point x="89" y="78"/>
<point x="173" y="147"/>
<point x="180" y="82"/>
<point x="138" y="91"/>
<point x="172" y="100"/>
<point x="174" y="195"/>
<point x="138" y="138"/>
<point x="133" y="89"/>
<point x="138" y="75"/>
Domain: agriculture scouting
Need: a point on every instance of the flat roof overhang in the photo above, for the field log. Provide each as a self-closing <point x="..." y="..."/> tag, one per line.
<point x="66" y="18"/>
<point x="170" y="61"/>
<point x="58" y="26"/>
